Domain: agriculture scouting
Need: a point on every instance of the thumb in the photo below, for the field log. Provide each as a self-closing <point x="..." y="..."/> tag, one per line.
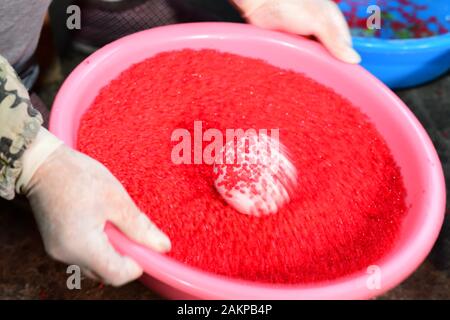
<point x="138" y="227"/>
<point x="334" y="33"/>
<point x="340" y="49"/>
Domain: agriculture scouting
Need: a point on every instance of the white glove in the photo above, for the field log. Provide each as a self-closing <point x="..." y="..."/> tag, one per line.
<point x="72" y="197"/>
<point x="321" y="18"/>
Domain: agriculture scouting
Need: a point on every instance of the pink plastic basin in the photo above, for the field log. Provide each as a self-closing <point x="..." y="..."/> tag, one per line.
<point x="410" y="145"/>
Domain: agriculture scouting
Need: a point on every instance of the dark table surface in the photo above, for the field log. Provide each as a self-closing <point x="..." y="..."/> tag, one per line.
<point x="26" y="272"/>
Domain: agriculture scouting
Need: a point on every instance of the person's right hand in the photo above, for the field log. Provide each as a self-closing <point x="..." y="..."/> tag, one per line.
<point x="320" y="18"/>
<point x="72" y="197"/>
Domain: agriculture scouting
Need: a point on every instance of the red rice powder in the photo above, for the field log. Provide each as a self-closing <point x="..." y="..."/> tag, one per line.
<point x="347" y="208"/>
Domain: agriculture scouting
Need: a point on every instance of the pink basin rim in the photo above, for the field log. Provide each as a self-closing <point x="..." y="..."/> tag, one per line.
<point x="194" y="282"/>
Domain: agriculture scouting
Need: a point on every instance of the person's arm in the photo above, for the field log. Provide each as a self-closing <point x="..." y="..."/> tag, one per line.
<point x="19" y="125"/>
<point x="72" y="195"/>
<point x="320" y="18"/>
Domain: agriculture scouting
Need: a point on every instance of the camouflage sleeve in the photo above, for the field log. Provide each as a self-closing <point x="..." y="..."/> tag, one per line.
<point x="19" y="125"/>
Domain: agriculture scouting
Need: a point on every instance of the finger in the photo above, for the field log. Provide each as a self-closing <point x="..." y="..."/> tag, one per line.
<point x="105" y="262"/>
<point x="337" y="21"/>
<point x="90" y="274"/>
<point x="138" y="227"/>
<point x="334" y="33"/>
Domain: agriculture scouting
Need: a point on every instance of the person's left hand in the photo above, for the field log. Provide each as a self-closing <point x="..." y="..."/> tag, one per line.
<point x="321" y="18"/>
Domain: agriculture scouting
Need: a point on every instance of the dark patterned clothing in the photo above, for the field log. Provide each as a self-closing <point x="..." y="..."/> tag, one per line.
<point x="103" y="22"/>
<point x="19" y="125"/>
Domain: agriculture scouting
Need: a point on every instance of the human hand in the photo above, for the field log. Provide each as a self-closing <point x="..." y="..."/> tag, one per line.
<point x="72" y="197"/>
<point x="321" y="18"/>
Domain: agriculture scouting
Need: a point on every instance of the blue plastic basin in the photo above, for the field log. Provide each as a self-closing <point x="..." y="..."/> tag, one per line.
<point x="402" y="63"/>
